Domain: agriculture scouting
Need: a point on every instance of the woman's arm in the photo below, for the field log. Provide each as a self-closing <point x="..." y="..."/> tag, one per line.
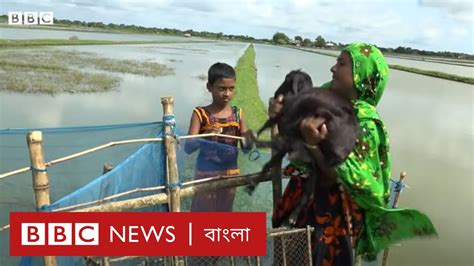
<point x="314" y="130"/>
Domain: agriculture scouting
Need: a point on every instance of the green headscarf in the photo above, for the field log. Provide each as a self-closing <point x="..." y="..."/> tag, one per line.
<point x="370" y="71"/>
<point x="366" y="172"/>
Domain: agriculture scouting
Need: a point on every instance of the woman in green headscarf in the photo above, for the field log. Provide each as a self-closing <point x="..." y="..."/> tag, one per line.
<point x="352" y="213"/>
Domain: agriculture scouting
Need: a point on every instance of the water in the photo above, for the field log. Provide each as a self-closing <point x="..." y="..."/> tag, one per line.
<point x="22" y="34"/>
<point x="430" y="123"/>
<point x="137" y="98"/>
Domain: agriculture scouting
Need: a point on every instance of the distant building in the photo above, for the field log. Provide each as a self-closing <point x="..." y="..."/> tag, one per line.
<point x="295" y="42"/>
<point x="187" y="35"/>
<point x="330" y="45"/>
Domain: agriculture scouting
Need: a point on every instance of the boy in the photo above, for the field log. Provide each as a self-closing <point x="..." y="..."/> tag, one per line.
<point x="217" y="155"/>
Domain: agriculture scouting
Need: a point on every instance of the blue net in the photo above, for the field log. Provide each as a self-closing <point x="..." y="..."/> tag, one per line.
<point x="134" y="166"/>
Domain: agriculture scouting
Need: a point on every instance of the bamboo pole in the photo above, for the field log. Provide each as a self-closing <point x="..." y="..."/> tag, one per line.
<point x="203" y="185"/>
<point x="395" y="204"/>
<point x="309" y="230"/>
<point x="171" y="164"/>
<point x="276" y="170"/>
<point x="40" y="177"/>
<point x="162" y="198"/>
<point x="111" y="144"/>
<point x="105" y="169"/>
<point x="283" y="249"/>
<point x="173" y="186"/>
<point x="276" y="183"/>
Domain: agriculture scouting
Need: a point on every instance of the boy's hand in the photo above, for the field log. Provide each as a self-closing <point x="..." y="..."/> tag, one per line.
<point x="248" y="143"/>
<point x="314" y="130"/>
<point x="275" y="107"/>
<point x="214" y="129"/>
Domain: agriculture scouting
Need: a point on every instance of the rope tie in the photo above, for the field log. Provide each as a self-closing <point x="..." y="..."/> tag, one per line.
<point x="170" y="120"/>
<point x="174" y="185"/>
<point x="43" y="208"/>
<point x="398" y="186"/>
<point x="32" y="168"/>
<point x="254" y="155"/>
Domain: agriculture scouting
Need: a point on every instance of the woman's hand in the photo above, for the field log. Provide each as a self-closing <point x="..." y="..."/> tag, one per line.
<point x="275" y="107"/>
<point x="314" y="130"/>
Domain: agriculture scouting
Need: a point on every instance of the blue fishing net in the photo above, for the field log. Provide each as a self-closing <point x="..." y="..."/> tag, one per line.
<point x="134" y="166"/>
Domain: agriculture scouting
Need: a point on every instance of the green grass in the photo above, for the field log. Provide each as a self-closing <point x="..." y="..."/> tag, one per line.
<point x="4" y="43"/>
<point x="436" y="74"/>
<point x="247" y="96"/>
<point x="52" y="81"/>
<point x="51" y="71"/>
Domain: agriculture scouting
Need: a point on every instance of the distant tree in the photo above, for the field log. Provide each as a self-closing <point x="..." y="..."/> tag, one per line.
<point x="280" y="38"/>
<point x="320" y="42"/>
<point x="307" y="42"/>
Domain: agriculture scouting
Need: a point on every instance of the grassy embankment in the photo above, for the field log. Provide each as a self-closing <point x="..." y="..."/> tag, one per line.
<point x="50" y="71"/>
<point x="247" y="97"/>
<point x="431" y="73"/>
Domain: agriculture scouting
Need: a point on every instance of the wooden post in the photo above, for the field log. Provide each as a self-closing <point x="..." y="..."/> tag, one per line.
<point x="276" y="170"/>
<point x="309" y="230"/>
<point x="171" y="163"/>
<point x="107" y="168"/>
<point x="40" y="177"/>
<point x="395" y="204"/>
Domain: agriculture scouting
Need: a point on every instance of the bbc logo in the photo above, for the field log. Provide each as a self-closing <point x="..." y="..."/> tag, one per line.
<point x="30" y="18"/>
<point x="60" y="234"/>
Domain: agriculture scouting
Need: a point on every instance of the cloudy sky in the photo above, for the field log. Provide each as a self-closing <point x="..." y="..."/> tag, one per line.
<point x="439" y="25"/>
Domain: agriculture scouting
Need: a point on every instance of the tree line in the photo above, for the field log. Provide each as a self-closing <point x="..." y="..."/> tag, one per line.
<point x="278" y="38"/>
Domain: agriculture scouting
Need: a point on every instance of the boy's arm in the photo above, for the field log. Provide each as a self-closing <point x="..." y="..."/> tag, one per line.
<point x="243" y="123"/>
<point x="192" y="145"/>
<point x="246" y="145"/>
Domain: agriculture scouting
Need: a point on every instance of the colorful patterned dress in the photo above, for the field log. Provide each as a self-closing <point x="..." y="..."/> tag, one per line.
<point x="217" y="156"/>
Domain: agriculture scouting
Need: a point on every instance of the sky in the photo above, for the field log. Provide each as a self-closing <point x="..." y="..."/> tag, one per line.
<point x="437" y="25"/>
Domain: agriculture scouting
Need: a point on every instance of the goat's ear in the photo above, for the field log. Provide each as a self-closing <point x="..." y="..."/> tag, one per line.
<point x="296" y="85"/>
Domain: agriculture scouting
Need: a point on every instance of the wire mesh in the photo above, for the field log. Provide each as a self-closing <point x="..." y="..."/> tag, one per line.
<point x="285" y="246"/>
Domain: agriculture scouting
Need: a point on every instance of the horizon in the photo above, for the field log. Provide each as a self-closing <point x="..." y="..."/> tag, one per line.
<point x="431" y="25"/>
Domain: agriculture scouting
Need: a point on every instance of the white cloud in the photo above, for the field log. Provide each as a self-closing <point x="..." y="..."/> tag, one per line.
<point x="458" y="9"/>
<point x="383" y="22"/>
